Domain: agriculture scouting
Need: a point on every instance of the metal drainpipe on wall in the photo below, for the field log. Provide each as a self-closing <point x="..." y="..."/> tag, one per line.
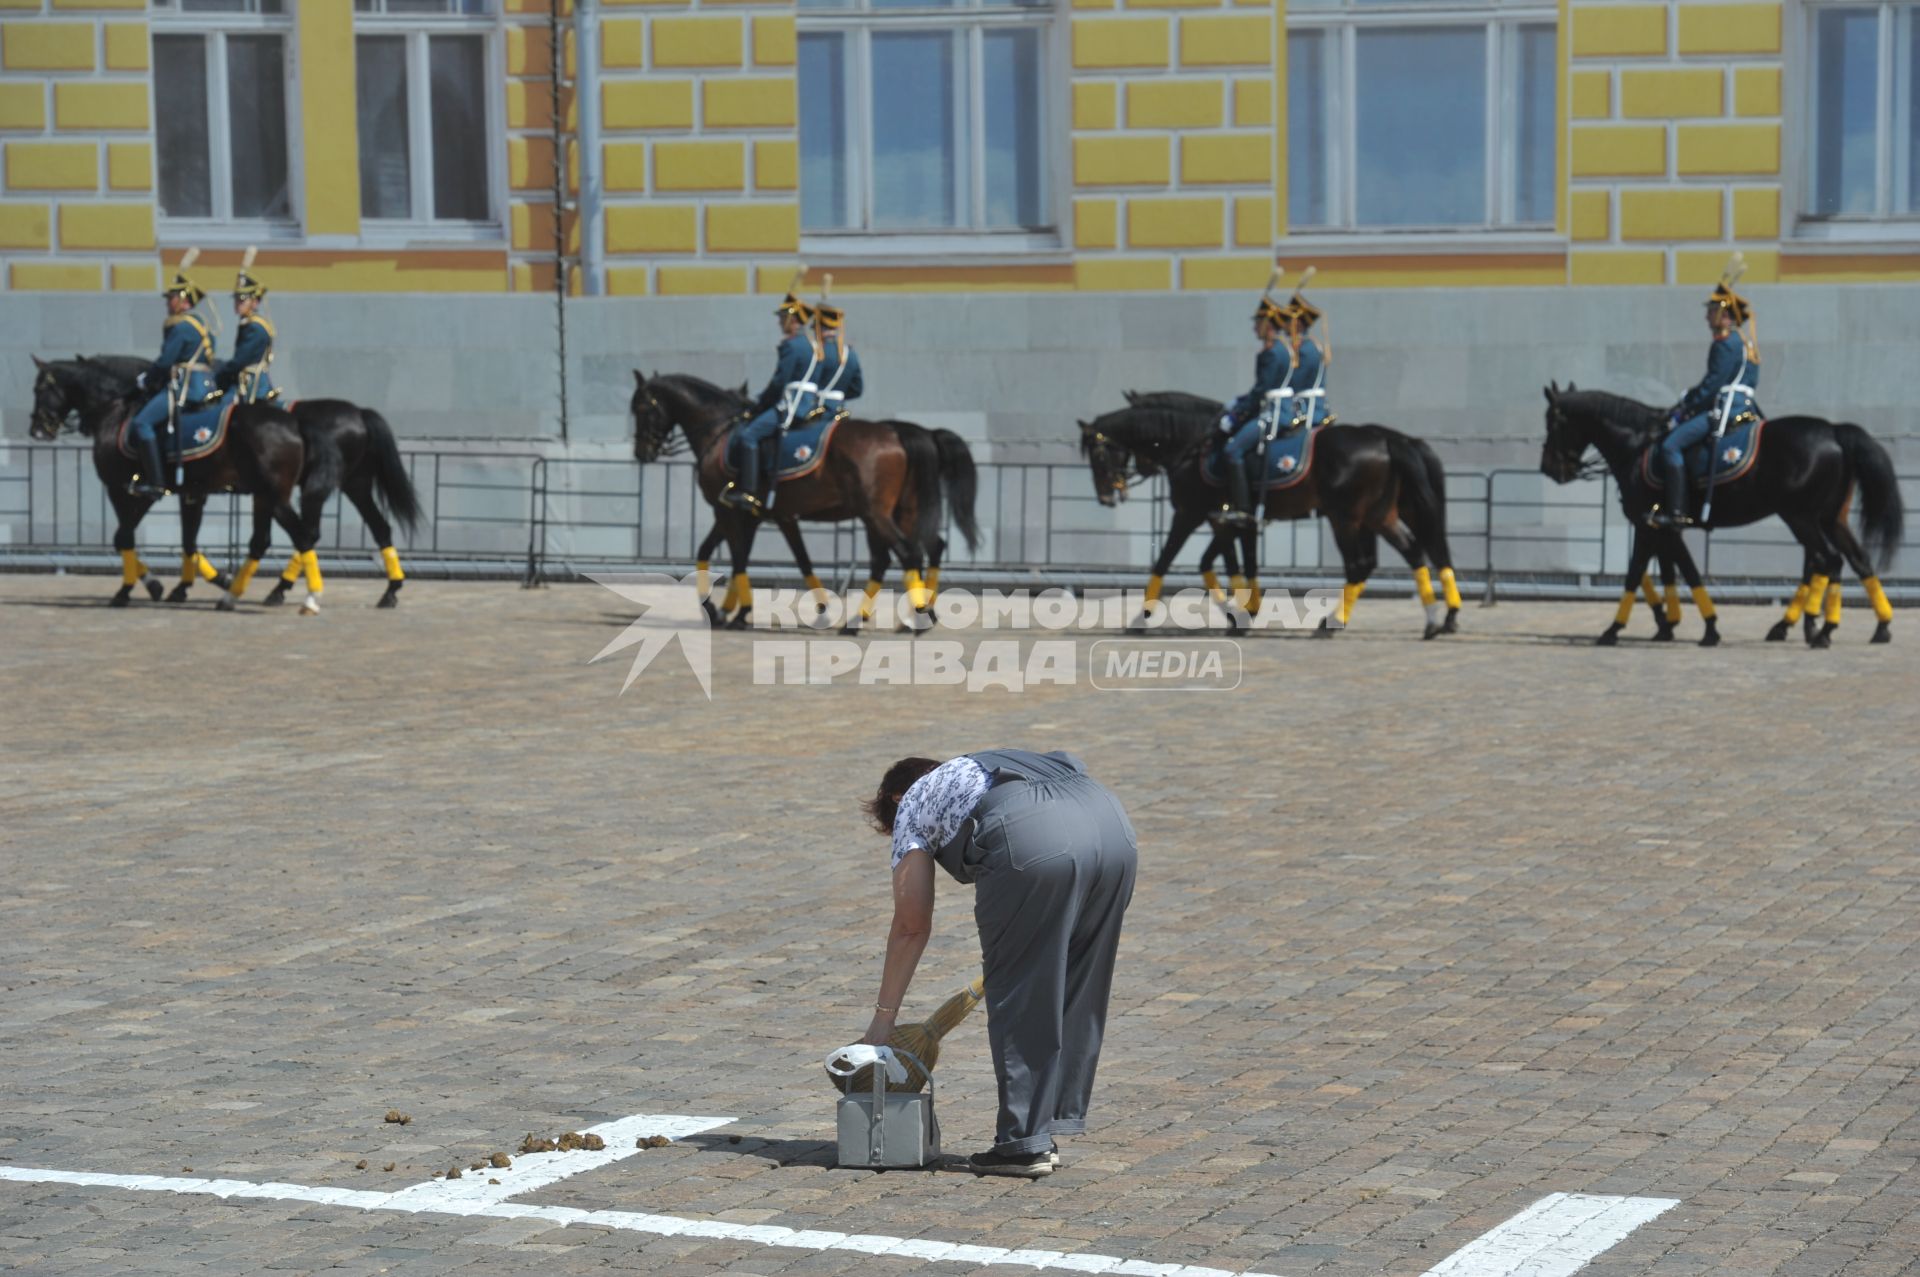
<point x="586" y="44"/>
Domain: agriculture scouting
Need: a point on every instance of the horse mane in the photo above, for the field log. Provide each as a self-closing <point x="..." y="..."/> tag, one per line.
<point x="1173" y="400"/>
<point x="698" y="388"/>
<point x="1164" y="433"/>
<point x="1611" y="407"/>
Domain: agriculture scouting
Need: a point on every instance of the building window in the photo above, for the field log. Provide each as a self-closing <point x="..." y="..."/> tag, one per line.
<point x="1440" y="121"/>
<point x="220" y="76"/>
<point x="422" y="91"/>
<point x="917" y="116"/>
<point x="1864" y="162"/>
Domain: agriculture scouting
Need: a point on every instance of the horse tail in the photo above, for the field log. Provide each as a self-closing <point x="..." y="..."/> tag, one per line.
<point x="390" y="477"/>
<point x="1434" y="536"/>
<point x="923" y="472"/>
<point x="324" y="469"/>
<point x="1882" y="513"/>
<point x="962" y="482"/>
<point x="1424" y="507"/>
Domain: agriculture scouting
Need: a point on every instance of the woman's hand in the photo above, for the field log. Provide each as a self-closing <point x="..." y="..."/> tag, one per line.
<point x="879" y="1029"/>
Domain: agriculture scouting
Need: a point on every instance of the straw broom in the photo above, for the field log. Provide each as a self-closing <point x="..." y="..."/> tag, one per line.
<point x="921" y="1040"/>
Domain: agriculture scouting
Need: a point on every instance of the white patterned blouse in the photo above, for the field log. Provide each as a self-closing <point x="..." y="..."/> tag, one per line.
<point x="933" y="808"/>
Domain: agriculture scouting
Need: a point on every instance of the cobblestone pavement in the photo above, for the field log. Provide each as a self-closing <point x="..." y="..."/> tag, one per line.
<point x="1424" y="932"/>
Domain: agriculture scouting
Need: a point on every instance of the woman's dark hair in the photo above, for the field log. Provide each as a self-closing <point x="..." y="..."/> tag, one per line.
<point x="885" y="804"/>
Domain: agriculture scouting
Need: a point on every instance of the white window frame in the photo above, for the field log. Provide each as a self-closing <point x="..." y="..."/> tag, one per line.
<point x="1500" y="123"/>
<point x="1846" y="231"/>
<point x="221" y="225"/>
<point x="856" y="24"/>
<point x="402" y="232"/>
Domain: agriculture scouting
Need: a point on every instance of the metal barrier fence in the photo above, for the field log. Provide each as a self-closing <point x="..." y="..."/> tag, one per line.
<point x="544" y="516"/>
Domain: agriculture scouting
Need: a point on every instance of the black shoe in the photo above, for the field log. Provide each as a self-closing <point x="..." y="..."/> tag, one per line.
<point x="143" y="487"/>
<point x="1019" y="1165"/>
<point x="735" y="497"/>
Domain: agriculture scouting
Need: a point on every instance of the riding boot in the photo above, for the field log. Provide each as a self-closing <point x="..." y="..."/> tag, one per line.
<point x="1673" y="510"/>
<point x="741" y="494"/>
<point x="1239" y="495"/>
<point x="769" y="459"/>
<point x="153" y="474"/>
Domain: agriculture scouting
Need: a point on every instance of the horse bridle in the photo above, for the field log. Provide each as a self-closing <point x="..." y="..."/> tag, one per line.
<point x="1124" y="478"/>
<point x="670" y="442"/>
<point x="1582" y="468"/>
<point x="44" y="424"/>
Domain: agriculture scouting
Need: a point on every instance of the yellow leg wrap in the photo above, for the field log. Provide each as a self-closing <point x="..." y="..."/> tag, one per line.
<point x="244" y="577"/>
<point x="818" y="590"/>
<point x="1349" y="596"/>
<point x="141" y="563"/>
<point x="1242" y="591"/>
<point x="391" y="558"/>
<point x="1649" y="592"/>
<point x="1237" y="584"/>
<point x="1673" y="604"/>
<point x="1449" y="588"/>
<point x="1882" y="609"/>
<point x="1704" y="604"/>
<point x="1154" y="584"/>
<point x="866" y="604"/>
<point x="702" y="579"/>
<point x="917" y="593"/>
<point x="310" y="564"/>
<point x="1833" y="603"/>
<point x="291" y="572"/>
<point x="933" y="583"/>
<point x="1212" y="582"/>
<point x="1816" y="593"/>
<point x="745" y="595"/>
<point x="1254" y="596"/>
<point x="131" y="569"/>
<point x="1423" y="582"/>
<point x="1624" y="613"/>
<point x="1797" y="605"/>
<point x="728" y="600"/>
<point x="187" y="568"/>
<point x="204" y="568"/>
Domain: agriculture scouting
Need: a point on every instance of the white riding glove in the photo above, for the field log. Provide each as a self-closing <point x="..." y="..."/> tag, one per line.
<point x="1226" y="423"/>
<point x="140" y="380"/>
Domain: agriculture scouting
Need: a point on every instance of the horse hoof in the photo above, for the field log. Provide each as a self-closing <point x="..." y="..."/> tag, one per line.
<point x="221" y="581"/>
<point x="120" y="599"/>
<point x="390" y="599"/>
<point x="1610" y="637"/>
<point x="1712" y="637"/>
<point x="1137" y="628"/>
<point x="1778" y="634"/>
<point x="1809" y="625"/>
<point x="276" y="598"/>
<point x="1452" y="624"/>
<point x="1823" y="637"/>
<point x="310" y="606"/>
<point x="226" y="603"/>
<point x="1882" y="633"/>
<point x="178" y="594"/>
<point x="1324" y="631"/>
<point x="849" y="629"/>
<point x="1664" y="634"/>
<point x="741" y="620"/>
<point x="154" y="589"/>
<point x="1433" y="631"/>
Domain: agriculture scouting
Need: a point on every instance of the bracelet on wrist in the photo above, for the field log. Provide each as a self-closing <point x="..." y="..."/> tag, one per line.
<point x="886" y="1010"/>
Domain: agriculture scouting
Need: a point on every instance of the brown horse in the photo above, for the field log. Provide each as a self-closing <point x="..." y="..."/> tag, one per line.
<point x="887" y="478"/>
<point x="263" y="455"/>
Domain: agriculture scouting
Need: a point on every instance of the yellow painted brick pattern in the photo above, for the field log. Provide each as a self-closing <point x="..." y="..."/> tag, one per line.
<point x="99" y="4"/>
<point x="699" y="166"/>
<point x="1728" y="148"/>
<point x="746" y="102"/>
<point x="89" y="226"/>
<point x="753" y="228"/>
<point x="1096" y="223"/>
<point x="530" y="163"/>
<point x="1671" y="94"/>
<point x="127" y="47"/>
<point x="529" y="52"/>
<point x="1176" y="223"/>
<point x="774" y="41"/>
<point x="646" y="104"/>
<point x="29" y="277"/>
<point x="53" y="166"/>
<point x="23" y="106"/>
<point x="1635" y="151"/>
<point x="100" y="106"/>
<point x="1122" y="161"/>
<point x="1590" y="217"/>
<point x="1756" y="91"/>
<point x="1123" y="274"/>
<point x="1253" y="222"/>
<point x="1703" y="266"/>
<point x="129" y="166"/>
<point x="1120" y="42"/>
<point x="1592" y="95"/>
<point x="1601" y="31"/>
<point x="1174" y="104"/>
<point x="623" y="43"/>
<point x="46" y="46"/>
<point x="1094" y="105"/>
<point x="1239" y="158"/>
<point x="1221" y="274"/>
<point x="1633" y="267"/>
<point x="697" y="42"/>
<point x="1093" y="4"/>
<point x="1756" y="213"/>
<point x="25" y="226"/>
<point x="1670" y="214"/>
<point x="1172" y="4"/>
<point x="653" y="228"/>
<point x="701" y="280"/>
<point x="627" y="281"/>
<point x="776" y="166"/>
<point x="135" y="277"/>
<point x="623" y="166"/>
<point x="1729" y="28"/>
<point x="1252" y="103"/>
<point x="1231" y="41"/>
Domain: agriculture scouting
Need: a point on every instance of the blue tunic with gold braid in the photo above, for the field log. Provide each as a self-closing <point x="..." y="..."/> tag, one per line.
<point x="186" y="341"/>
<point x="252" y="345"/>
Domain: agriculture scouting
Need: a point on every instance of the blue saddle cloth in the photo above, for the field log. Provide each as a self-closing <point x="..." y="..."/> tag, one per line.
<point x="198" y="433"/>
<point x="1288" y="459"/>
<point x="801" y="449"/>
<point x="1732" y="458"/>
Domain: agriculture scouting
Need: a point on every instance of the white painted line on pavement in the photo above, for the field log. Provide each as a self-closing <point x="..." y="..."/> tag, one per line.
<point x="1557" y="1236"/>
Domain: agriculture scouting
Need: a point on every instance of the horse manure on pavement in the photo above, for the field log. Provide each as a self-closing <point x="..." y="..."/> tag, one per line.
<point x="398" y="1118"/>
<point x="499" y="1159"/>
<point x="652" y="1141"/>
<point x="360" y="1165"/>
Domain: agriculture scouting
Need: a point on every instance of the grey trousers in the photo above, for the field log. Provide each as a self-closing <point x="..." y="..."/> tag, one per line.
<point x="1052" y="862"/>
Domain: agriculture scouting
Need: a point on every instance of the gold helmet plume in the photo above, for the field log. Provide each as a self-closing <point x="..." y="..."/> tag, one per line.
<point x="1298" y="309"/>
<point x="1738" y="308"/>
<point x="245" y="285"/>
<point x="791" y="303"/>
<point x="830" y="318"/>
<point x="1268" y="308"/>
<point x="181" y="284"/>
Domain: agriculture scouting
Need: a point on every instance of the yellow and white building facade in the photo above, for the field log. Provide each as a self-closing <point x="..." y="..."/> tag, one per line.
<point x="1119" y="146"/>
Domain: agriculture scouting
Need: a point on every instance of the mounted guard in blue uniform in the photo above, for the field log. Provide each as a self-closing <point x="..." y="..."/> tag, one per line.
<point x="791" y="395"/>
<point x="181" y="378"/>
<point x="1244" y="423"/>
<point x="1723" y="398"/>
<point x="1308" y="379"/>
<point x="839" y="372"/>
<point x="246" y="374"/>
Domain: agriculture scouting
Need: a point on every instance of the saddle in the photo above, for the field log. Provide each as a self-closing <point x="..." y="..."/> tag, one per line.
<point x="1289" y="457"/>
<point x="1734" y="455"/>
<point x="198" y="432"/>
<point x="802" y="448"/>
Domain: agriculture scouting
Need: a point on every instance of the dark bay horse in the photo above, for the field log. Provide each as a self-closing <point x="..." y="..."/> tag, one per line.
<point x="1807" y="472"/>
<point x="366" y="467"/>
<point x="887" y="477"/>
<point x="263" y="455"/>
<point x="1369" y="481"/>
